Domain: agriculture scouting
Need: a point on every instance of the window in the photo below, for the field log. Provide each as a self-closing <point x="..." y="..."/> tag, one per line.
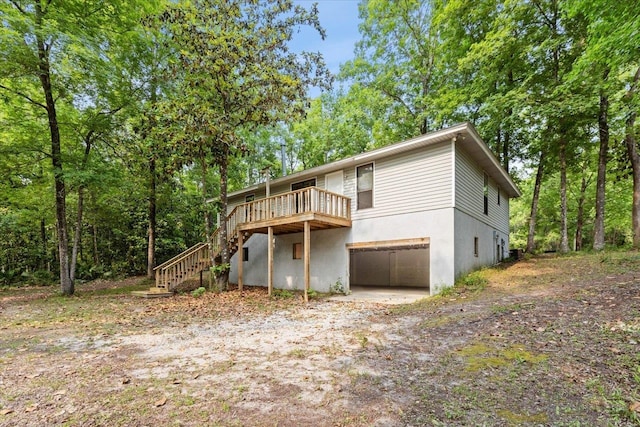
<point x="486" y="194"/>
<point x="303" y="184"/>
<point x="498" y="196"/>
<point x="364" y="176"/>
<point x="245" y="254"/>
<point x="301" y="199"/>
<point x="475" y="246"/>
<point x="297" y="251"/>
<point x="249" y="198"/>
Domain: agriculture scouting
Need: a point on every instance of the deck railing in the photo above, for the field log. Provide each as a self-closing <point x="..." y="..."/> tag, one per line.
<point x="306" y="200"/>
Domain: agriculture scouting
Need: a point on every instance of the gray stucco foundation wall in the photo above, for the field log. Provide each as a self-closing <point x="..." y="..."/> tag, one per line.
<point x="329" y="261"/>
<point x="330" y="257"/>
<point x="466" y="229"/>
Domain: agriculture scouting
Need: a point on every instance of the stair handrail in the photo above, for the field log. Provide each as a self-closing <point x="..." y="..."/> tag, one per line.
<point x="183" y="256"/>
<point x="180" y="255"/>
<point x="232" y="228"/>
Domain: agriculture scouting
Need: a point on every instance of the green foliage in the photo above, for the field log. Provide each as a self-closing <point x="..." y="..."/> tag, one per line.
<point x="197" y="293"/>
<point x="472" y="282"/>
<point x="282" y="294"/>
<point x="220" y="268"/>
<point x="337" y="287"/>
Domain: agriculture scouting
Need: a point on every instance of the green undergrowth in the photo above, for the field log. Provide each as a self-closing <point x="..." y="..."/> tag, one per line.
<point x="480" y="356"/>
<point x="123" y="290"/>
<point x="467" y="287"/>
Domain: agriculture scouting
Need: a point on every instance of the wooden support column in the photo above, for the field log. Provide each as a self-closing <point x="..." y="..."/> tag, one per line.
<point x="270" y="259"/>
<point x="240" y="258"/>
<point x="307" y="258"/>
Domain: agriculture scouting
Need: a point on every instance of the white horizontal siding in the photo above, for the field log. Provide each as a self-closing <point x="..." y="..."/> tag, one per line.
<point x="469" y="193"/>
<point x="410" y="182"/>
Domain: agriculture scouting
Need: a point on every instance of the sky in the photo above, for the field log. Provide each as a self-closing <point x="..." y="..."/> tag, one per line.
<point x="340" y="20"/>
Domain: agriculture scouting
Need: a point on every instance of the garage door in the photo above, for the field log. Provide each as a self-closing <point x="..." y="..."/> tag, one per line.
<point x="396" y="266"/>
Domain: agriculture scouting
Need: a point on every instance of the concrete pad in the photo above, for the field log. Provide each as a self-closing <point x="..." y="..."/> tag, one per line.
<point x="383" y="295"/>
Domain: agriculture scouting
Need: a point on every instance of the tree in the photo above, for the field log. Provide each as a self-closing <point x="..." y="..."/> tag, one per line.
<point x="612" y="30"/>
<point x="234" y="72"/>
<point x="397" y="58"/>
<point x="60" y="48"/>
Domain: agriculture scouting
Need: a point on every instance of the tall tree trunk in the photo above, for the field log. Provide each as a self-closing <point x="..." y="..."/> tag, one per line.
<point x="531" y="246"/>
<point x="66" y="284"/>
<point x="78" y="231"/>
<point x="603" y="132"/>
<point x="205" y="195"/>
<point x="77" y="234"/>
<point x="580" y="214"/>
<point x="222" y="276"/>
<point x="506" y="145"/>
<point x="564" y="235"/>
<point x="151" y="232"/>
<point x="634" y="156"/>
<point x="505" y="148"/>
<point x="43" y="238"/>
<point x="153" y="184"/>
<point x="96" y="258"/>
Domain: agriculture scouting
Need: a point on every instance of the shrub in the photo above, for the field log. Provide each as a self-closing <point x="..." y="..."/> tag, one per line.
<point x="197" y="293"/>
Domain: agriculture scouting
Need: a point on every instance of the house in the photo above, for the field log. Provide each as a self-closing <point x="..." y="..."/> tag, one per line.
<point x="417" y="213"/>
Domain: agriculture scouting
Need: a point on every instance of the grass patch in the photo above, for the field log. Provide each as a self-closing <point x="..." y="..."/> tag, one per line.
<point x="124" y="290"/>
<point x="471" y="284"/>
<point x="519" y="419"/>
<point x="298" y="353"/>
<point x="480" y="356"/>
<point x="282" y="294"/>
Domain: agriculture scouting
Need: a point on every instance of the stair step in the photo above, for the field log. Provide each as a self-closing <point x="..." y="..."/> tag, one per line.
<point x="153" y="293"/>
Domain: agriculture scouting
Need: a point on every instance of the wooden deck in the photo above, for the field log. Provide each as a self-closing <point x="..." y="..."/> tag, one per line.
<point x="288" y="212"/>
<point x="297" y="211"/>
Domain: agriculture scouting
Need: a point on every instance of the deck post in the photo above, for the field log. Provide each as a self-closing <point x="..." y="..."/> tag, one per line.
<point x="307" y="258"/>
<point x="240" y="258"/>
<point x="270" y="259"/>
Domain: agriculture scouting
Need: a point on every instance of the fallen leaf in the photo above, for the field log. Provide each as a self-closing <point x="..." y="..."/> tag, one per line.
<point x="32" y="376"/>
<point x="176" y="381"/>
<point x="160" y="402"/>
<point x="31" y="408"/>
<point x="196" y="376"/>
<point x="6" y="411"/>
<point x="60" y="393"/>
<point x="634" y="407"/>
<point x="126" y="380"/>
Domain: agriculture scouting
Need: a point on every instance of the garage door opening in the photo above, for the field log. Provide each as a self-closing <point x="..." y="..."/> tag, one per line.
<point x="390" y="266"/>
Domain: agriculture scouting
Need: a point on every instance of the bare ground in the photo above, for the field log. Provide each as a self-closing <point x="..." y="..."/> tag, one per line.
<point x="548" y="341"/>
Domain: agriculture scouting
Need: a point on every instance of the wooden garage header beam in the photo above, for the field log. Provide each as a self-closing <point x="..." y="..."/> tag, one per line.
<point x="420" y="241"/>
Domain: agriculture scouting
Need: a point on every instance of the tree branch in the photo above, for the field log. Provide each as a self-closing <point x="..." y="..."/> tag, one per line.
<point x="17" y="6"/>
<point x="15" y="92"/>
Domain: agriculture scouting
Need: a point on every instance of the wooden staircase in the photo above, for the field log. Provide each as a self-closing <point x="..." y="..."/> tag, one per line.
<point x="289" y="212"/>
<point x="200" y="257"/>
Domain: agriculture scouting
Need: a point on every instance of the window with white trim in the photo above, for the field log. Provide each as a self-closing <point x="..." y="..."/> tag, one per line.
<point x="364" y="181"/>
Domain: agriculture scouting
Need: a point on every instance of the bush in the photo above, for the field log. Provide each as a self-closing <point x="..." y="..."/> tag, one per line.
<point x="197" y="293"/>
<point x="9" y="277"/>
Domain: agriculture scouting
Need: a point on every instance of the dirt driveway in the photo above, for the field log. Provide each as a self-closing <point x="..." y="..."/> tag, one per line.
<point x="546" y="341"/>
